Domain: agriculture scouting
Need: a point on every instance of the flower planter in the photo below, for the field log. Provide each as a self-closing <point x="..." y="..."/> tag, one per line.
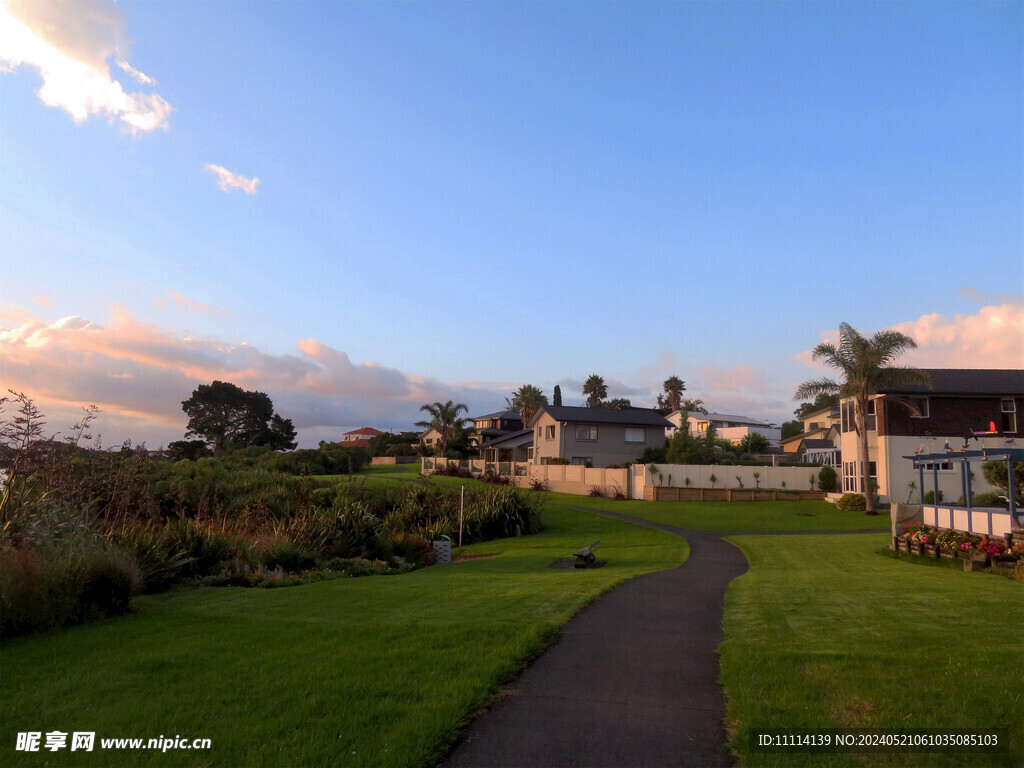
<point x="917" y="547"/>
<point x="1018" y="570"/>
<point x="904" y="545"/>
<point x="931" y="550"/>
<point x="977" y="562"/>
<point x="949" y="554"/>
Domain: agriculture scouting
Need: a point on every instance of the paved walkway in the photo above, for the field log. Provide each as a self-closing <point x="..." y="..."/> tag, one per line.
<point x="631" y="681"/>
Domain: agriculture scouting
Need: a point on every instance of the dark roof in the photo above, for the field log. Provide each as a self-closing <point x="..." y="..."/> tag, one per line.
<point x="965" y="381"/>
<point x="642" y="416"/>
<point x="517" y="438"/>
<point x="514" y="415"/>
<point x="491" y="432"/>
<point x="817" y="445"/>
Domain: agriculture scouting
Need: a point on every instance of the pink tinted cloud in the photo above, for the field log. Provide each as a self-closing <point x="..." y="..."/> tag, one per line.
<point x="991" y="338"/>
<point x="139" y="373"/>
<point x="194" y="306"/>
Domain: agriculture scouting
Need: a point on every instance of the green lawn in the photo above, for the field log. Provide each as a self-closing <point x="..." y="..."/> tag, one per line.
<point x="824" y="632"/>
<point x="376" y="671"/>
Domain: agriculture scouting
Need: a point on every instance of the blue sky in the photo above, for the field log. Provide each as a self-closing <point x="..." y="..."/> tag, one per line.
<point x="476" y="196"/>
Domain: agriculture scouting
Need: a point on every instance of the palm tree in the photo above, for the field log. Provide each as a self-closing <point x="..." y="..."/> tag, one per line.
<point x="444" y="417"/>
<point x="673" y="387"/>
<point x="596" y="390"/>
<point x="528" y="399"/>
<point x="865" y="365"/>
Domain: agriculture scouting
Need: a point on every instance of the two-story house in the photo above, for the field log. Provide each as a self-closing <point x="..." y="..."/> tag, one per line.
<point x="982" y="406"/>
<point x="491" y="426"/>
<point x="598" y="437"/>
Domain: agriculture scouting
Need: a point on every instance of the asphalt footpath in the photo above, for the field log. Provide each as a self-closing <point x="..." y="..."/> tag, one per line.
<point x="631" y="681"/>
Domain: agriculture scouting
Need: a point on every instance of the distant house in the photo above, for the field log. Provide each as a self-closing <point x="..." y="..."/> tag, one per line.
<point x="962" y="404"/>
<point x="359" y="438"/>
<point x="820" y="427"/>
<point x="595" y="436"/>
<point x="727" y="426"/>
<point x="491" y="426"/>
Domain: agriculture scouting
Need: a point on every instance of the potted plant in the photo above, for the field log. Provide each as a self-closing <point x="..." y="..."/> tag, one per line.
<point x="947" y="543"/>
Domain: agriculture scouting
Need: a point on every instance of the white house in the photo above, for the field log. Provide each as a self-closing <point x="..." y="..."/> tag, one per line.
<point x="727" y="426"/>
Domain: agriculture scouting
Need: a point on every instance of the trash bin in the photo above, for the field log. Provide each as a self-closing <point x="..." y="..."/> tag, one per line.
<point x="443" y="551"/>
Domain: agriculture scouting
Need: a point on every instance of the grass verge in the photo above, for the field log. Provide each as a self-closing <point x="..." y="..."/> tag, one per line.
<point x="739" y="516"/>
<point x="826" y="632"/>
<point x="381" y="671"/>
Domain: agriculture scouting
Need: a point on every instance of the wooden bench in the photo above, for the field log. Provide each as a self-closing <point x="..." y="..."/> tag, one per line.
<point x="585" y="557"/>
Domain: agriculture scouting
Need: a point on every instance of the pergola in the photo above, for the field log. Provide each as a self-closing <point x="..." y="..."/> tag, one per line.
<point x="965" y="458"/>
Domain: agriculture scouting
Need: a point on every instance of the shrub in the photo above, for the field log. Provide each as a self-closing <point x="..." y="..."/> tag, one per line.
<point x="453" y="470"/>
<point x="493" y="478"/>
<point x="596" y="491"/>
<point x="43" y="590"/>
<point x="538" y="484"/>
<point x="990" y="500"/>
<point x="279" y="552"/>
<point x="827" y="478"/>
<point x="929" y="498"/>
<point x="852" y="502"/>
<point x="412" y="548"/>
<point x="559" y="460"/>
<point x="618" y="494"/>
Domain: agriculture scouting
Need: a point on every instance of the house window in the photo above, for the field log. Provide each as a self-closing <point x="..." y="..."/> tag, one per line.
<point x="586" y="432"/>
<point x="851" y="476"/>
<point x="849" y="416"/>
<point x="918" y="407"/>
<point x="583" y="461"/>
<point x="942" y="466"/>
<point x="636" y="435"/>
<point x="1008" y="408"/>
<point x="847" y="419"/>
<point x="549" y="432"/>
<point x="529" y="454"/>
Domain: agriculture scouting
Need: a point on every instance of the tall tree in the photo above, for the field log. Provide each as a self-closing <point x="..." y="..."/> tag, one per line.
<point x="596" y="390"/>
<point x="617" y="403"/>
<point x="673" y="388"/>
<point x="865" y="366"/>
<point x="281" y="434"/>
<point x="225" y="415"/>
<point x="528" y="399"/>
<point x="687" y="405"/>
<point x="557" y="396"/>
<point x="821" y="401"/>
<point x="444" y="417"/>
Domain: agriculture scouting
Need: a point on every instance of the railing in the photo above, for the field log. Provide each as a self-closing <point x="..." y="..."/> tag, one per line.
<point x="986" y="521"/>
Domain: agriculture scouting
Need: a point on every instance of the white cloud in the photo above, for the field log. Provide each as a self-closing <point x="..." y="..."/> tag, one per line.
<point x="141" y="77"/>
<point x="227" y="180"/>
<point x="69" y="44"/>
